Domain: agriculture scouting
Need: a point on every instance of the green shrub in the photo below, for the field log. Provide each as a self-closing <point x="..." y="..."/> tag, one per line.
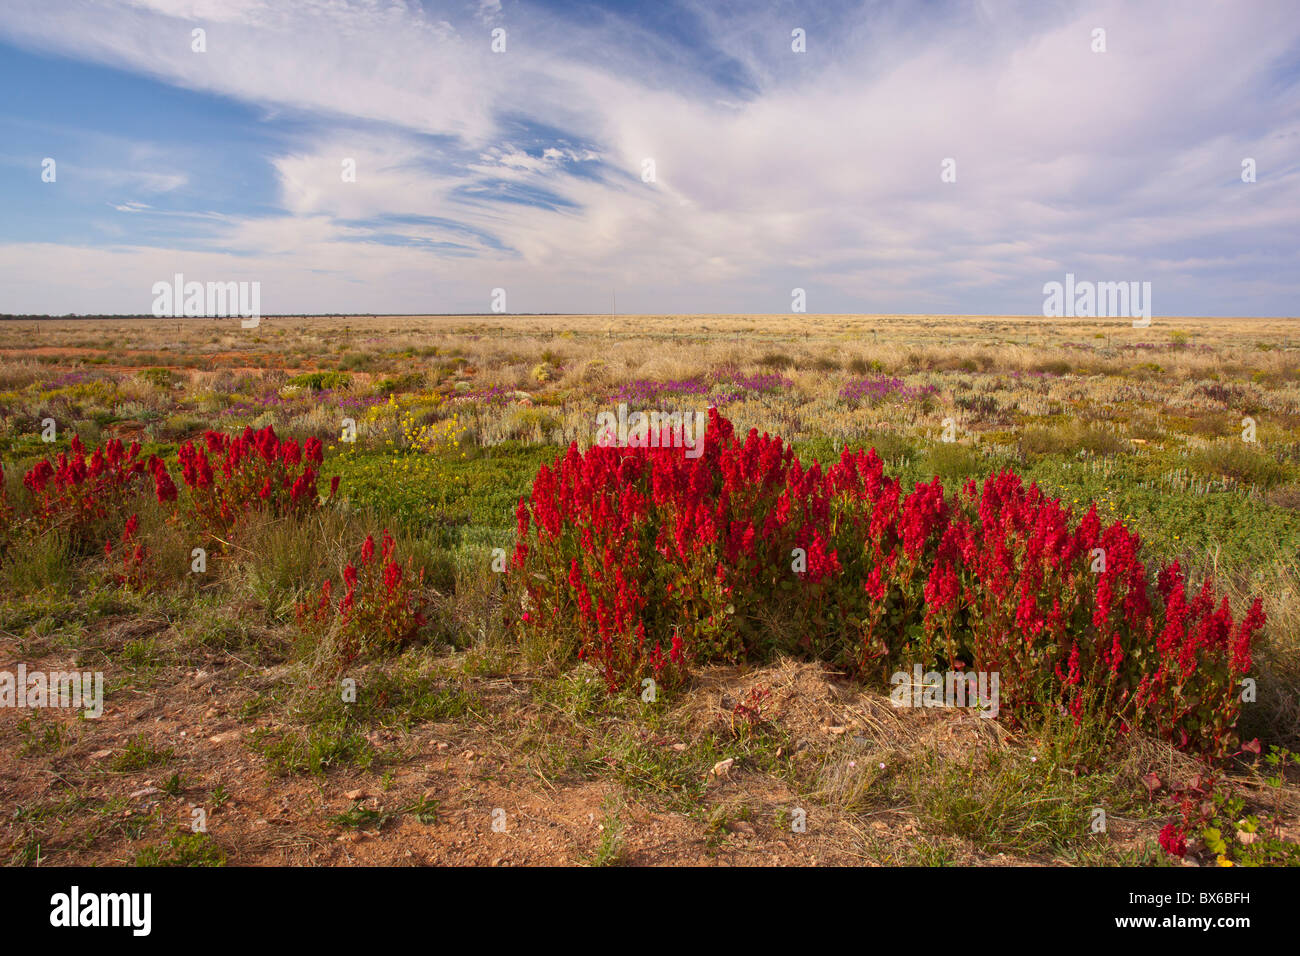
<point x="322" y="381"/>
<point x="159" y="377"/>
<point x="953" y="463"/>
<point x="1240" y="461"/>
<point x="1070" y="440"/>
<point x="407" y="382"/>
<point x="776" y="360"/>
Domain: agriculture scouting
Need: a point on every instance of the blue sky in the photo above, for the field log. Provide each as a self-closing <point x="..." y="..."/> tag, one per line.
<point x="523" y="169"/>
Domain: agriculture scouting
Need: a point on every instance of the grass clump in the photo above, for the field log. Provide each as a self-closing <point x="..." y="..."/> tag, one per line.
<point x="140" y="753"/>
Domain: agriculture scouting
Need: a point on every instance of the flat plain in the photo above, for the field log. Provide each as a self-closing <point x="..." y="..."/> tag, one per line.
<point x="467" y="744"/>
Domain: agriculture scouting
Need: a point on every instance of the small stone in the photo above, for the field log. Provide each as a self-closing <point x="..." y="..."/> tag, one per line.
<point x="147" y="791"/>
<point x="355" y="794"/>
<point x="723" y="767"/>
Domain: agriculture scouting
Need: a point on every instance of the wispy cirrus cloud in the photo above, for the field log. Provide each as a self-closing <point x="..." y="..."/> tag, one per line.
<point x="773" y="169"/>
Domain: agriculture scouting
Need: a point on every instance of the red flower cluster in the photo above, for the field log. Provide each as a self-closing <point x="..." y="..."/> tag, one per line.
<point x="380" y="608"/>
<point x="633" y="545"/>
<point x="644" y="560"/>
<point x="230" y="476"/>
<point x="134" y="574"/>
<point x="163" y="486"/>
<point x="74" y="492"/>
<point x="1201" y="659"/>
<point x="1037" y="598"/>
<point x="1173" y="840"/>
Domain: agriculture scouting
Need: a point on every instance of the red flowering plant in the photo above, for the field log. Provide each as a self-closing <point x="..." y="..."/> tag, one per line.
<point x="1062" y="611"/>
<point x="163" y="486"/>
<point x="76" y="492"/>
<point x="747" y="714"/>
<point x="380" y="608"/>
<point x="1191" y="688"/>
<point x="588" y="585"/>
<point x="727" y="543"/>
<point x="1173" y="840"/>
<point x="643" y="560"/>
<point x="896" y="540"/>
<point x="1012" y="591"/>
<point x="133" y="560"/>
<point x="631" y="541"/>
<point x="231" y="476"/>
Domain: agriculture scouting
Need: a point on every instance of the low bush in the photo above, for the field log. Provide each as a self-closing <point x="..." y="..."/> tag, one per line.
<point x="380" y="608"/>
<point x="76" y="493"/>
<point x="643" y="562"/>
<point x="254" y="471"/>
<point x="322" y="381"/>
<point x="1237" y="460"/>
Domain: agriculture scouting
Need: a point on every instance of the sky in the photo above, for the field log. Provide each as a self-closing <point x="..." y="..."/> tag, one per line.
<point x="669" y="157"/>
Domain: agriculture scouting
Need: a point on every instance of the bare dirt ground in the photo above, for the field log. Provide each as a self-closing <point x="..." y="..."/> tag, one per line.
<point x="495" y="805"/>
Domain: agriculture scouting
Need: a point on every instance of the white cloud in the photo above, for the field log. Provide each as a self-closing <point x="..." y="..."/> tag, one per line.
<point x="489" y="11"/>
<point x="827" y="177"/>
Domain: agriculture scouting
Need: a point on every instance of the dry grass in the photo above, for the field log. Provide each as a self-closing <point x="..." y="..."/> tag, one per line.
<point x="1111" y="408"/>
